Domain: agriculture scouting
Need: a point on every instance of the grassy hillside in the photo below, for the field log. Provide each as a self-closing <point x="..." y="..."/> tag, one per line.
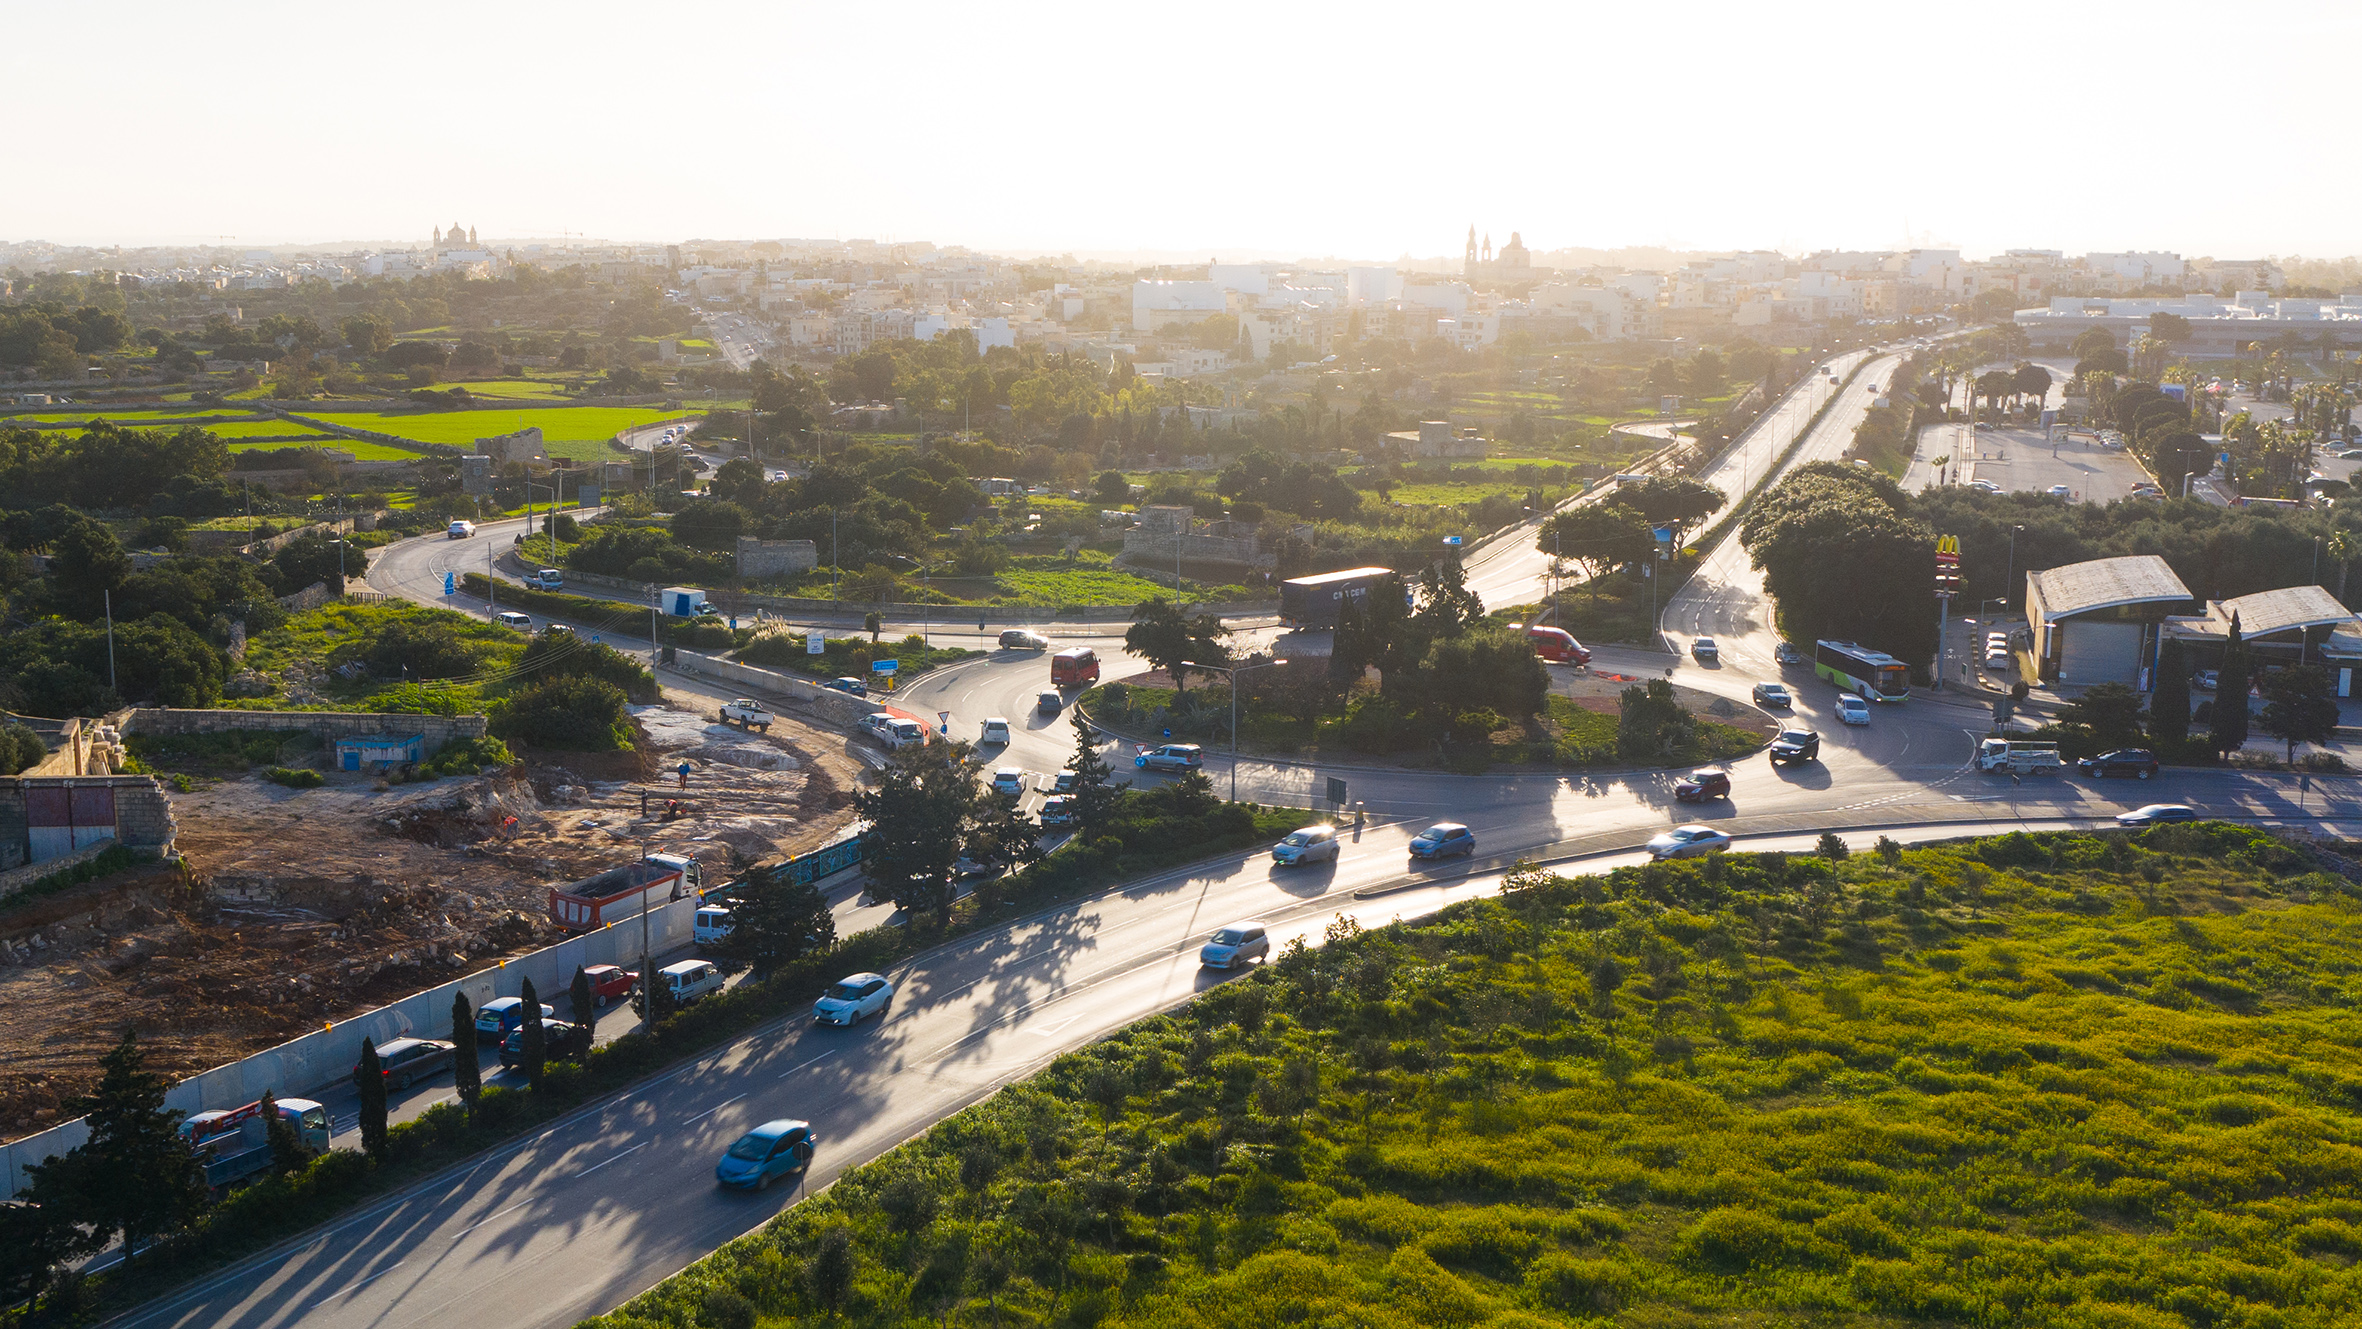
<point x="2073" y="1080"/>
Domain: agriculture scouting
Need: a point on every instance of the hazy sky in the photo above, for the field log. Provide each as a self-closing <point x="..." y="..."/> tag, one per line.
<point x="1282" y="129"/>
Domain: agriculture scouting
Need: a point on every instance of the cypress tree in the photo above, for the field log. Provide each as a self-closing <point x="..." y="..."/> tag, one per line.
<point x="656" y="998"/>
<point x="531" y="1042"/>
<point x="584" y="1002"/>
<point x="136" y="1174"/>
<point x="467" y="1072"/>
<point x="372" y="1101"/>
<point x="2169" y="704"/>
<point x="2230" y="695"/>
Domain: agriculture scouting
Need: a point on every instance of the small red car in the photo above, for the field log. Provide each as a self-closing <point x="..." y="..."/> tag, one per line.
<point x="1702" y="785"/>
<point x="609" y="982"/>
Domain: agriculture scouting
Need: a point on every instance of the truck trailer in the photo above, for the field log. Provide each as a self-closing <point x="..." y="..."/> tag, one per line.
<point x="623" y="892"/>
<point x="1314" y="602"/>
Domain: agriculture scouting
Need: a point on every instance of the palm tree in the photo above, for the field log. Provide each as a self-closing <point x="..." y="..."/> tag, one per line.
<point x="2342" y="547"/>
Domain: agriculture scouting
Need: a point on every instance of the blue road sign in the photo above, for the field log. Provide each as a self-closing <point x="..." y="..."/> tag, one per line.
<point x="885" y="666"/>
<point x="450" y="584"/>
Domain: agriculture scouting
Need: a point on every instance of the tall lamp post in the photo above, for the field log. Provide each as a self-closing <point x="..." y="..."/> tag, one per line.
<point x="2009" y="579"/>
<point x="1232" y="674"/>
<point x="549" y="522"/>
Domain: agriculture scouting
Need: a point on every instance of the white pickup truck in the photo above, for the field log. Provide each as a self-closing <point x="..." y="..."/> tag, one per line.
<point x="2002" y="754"/>
<point x="747" y="714"/>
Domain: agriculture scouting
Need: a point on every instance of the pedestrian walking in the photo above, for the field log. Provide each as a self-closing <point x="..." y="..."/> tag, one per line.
<point x="684" y="773"/>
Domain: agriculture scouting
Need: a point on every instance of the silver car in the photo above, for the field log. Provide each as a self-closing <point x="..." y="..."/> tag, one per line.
<point x="1687" y="841"/>
<point x="1313" y="844"/>
<point x="1234" y="946"/>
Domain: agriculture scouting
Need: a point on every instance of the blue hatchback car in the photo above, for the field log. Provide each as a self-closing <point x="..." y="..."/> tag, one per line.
<point x="773" y="1149"/>
<point x="1442" y="839"/>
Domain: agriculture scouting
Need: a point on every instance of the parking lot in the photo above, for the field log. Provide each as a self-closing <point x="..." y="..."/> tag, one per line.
<point x="2023" y="460"/>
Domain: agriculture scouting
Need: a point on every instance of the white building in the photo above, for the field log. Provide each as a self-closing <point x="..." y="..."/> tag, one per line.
<point x="1371" y="286"/>
<point x="1156" y="303"/>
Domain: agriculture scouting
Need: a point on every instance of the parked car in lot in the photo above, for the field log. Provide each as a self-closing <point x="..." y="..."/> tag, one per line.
<point x="853" y="999"/>
<point x="1688" y="842"/>
<point x="495" y="1018"/>
<point x="1852" y="709"/>
<point x="2205" y="680"/>
<point x="403" y="1062"/>
<point x="1234" y="946"/>
<point x="1312" y="844"/>
<point x="1788" y="653"/>
<point x="1795" y="746"/>
<point x="561" y="1040"/>
<point x="1772" y="694"/>
<point x="2059" y="491"/>
<point x="1704" y="651"/>
<point x="2139" y="763"/>
<point x="1702" y="785"/>
<point x="1984" y="486"/>
<point x="1171" y="757"/>
<point x="1443" y="839"/>
<point x="1021" y="639"/>
<point x="2156" y="813"/>
<point x="770" y="1151"/>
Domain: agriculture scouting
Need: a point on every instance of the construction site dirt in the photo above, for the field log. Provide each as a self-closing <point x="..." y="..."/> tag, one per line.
<point x="294" y="907"/>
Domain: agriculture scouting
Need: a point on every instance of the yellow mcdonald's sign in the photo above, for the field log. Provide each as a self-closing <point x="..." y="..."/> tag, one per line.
<point x="1947" y="544"/>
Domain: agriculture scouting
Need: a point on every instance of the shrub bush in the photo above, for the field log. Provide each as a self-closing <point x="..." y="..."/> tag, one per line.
<point x="567" y="712"/>
<point x="294" y="777"/>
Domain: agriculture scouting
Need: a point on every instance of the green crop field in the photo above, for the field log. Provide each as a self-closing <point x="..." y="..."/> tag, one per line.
<point x="558" y="424"/>
<point x="515" y="389"/>
<point x="2072" y="1081"/>
<point x="230" y="430"/>
<point x="1050" y="585"/>
<point x="143" y="419"/>
<point x="362" y="451"/>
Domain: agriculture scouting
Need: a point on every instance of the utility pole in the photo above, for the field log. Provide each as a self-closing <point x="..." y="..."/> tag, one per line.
<point x="491" y="584"/>
<point x="653" y="653"/>
<point x="109" y="597"/>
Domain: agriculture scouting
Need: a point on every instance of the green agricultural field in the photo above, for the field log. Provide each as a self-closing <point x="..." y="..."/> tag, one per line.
<point x="232" y="430"/>
<point x="361" y="450"/>
<point x="515" y="389"/>
<point x="1453" y="495"/>
<point x="147" y="419"/>
<point x="558" y="424"/>
<point x="1050" y="583"/>
<point x="2074" y="1081"/>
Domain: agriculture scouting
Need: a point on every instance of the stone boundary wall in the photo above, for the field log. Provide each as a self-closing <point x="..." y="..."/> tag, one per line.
<point x="143" y="816"/>
<point x="329" y="725"/>
<point x="744" y="602"/>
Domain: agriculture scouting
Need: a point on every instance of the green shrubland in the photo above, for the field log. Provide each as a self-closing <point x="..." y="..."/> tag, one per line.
<point x="2029" y="1080"/>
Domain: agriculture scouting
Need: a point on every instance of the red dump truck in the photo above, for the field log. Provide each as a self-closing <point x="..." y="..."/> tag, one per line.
<point x="623" y="892"/>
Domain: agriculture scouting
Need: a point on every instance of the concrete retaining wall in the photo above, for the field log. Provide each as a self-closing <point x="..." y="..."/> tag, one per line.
<point x="314" y="1062"/>
<point x="828" y="706"/>
<point x="329" y="725"/>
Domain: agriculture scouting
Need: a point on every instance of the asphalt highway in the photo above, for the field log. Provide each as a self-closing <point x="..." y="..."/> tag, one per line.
<point x="603" y="1204"/>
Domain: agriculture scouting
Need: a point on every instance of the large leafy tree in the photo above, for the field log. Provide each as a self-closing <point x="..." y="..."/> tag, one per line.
<point x="915" y="816"/>
<point x="2300" y="706"/>
<point x="135" y="1177"/>
<point x="778" y="922"/>
<point x="1596" y="537"/>
<point x="1172" y="641"/>
<point x="1447" y="607"/>
<point x="1096" y="791"/>
<point x="1675" y="501"/>
<point x="1844" y="558"/>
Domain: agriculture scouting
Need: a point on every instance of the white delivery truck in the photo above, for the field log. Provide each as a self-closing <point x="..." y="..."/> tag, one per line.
<point x="548" y="579"/>
<point x="684" y="602"/>
<point x="2016" y="757"/>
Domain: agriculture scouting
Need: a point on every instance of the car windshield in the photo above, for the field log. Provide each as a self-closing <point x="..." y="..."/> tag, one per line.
<point x="1299" y="838"/>
<point x="1683" y="835"/>
<point x="1795" y="736"/>
<point x="845" y="992"/>
<point x="752" y="1148"/>
<point x="1229" y="937"/>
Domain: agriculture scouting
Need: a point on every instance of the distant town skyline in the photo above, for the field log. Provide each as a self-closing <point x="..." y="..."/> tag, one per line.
<point x="1247" y="133"/>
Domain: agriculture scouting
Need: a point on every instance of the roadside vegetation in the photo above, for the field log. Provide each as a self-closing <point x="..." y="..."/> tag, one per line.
<point x="2062" y="1080"/>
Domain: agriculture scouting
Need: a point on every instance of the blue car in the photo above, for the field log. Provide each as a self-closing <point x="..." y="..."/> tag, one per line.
<point x="1443" y="838"/>
<point x="851" y="687"/>
<point x="773" y="1149"/>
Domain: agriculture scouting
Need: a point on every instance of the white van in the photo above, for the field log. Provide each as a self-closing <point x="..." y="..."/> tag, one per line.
<point x="510" y="618"/>
<point x="713" y="924"/>
<point x="690" y="980"/>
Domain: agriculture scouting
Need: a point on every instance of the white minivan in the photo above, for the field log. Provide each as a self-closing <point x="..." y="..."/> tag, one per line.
<point x="713" y="924"/>
<point x="510" y="618"/>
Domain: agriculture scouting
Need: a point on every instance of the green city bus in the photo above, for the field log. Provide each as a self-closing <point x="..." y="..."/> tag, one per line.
<point x="1871" y="675"/>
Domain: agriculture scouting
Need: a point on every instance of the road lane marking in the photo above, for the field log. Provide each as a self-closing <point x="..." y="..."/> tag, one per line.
<point x="357" y="1286"/>
<point x="708" y="1112"/>
<point x="488" y="1218"/>
<point x="1052" y="1030"/>
<point x="617" y="1159"/>
<point x="802" y="1064"/>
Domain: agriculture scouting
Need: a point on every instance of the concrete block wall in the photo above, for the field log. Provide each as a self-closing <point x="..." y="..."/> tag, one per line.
<point x="773" y="558"/>
<point x="312" y="1063"/>
<point x="329" y="725"/>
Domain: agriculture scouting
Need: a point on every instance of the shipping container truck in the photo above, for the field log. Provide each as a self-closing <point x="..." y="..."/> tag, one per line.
<point x="623" y="892"/>
<point x="1313" y="602"/>
<point x="683" y="602"/>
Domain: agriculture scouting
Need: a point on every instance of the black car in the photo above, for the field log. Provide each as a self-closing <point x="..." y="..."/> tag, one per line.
<point x="2139" y="763"/>
<point x="2155" y="813"/>
<point x="1794" y="745"/>
<point x="561" y="1040"/>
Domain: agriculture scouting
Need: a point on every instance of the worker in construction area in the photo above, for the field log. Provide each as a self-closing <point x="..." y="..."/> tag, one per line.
<point x="684" y="773"/>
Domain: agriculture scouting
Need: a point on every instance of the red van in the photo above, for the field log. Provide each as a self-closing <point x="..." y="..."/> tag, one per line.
<point x="1557" y="645"/>
<point x="1077" y="668"/>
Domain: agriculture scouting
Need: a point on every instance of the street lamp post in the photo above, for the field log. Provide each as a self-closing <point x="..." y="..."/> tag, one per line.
<point x="2008" y="580"/>
<point x="1233" y="672"/>
<point x="549" y="522"/>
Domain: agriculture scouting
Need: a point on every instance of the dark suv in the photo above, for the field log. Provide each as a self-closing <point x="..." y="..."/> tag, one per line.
<point x="1795" y="745"/>
<point x="2139" y="763"/>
